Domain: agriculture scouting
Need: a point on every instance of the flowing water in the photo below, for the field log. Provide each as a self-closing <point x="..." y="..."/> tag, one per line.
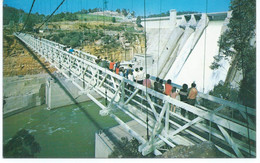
<point x="66" y="132"/>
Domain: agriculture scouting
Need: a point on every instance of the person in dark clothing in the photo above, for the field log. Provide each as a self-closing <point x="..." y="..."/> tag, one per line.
<point x="129" y="68"/>
<point x="104" y="63"/>
<point x="155" y="87"/>
<point x="160" y="86"/>
<point x="160" y="90"/>
<point x="98" y="60"/>
<point x="193" y="92"/>
<point x="156" y="84"/>
<point x="183" y="96"/>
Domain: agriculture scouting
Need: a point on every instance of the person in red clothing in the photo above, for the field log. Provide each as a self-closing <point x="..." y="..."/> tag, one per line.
<point x="168" y="87"/>
<point x="111" y="65"/>
<point x="147" y="81"/>
<point x="117" y="69"/>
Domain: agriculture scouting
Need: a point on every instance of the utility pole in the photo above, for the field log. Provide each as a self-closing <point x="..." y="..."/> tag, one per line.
<point x="105" y="4"/>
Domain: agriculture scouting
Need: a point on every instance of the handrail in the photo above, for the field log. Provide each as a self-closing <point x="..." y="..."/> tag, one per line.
<point x="139" y="103"/>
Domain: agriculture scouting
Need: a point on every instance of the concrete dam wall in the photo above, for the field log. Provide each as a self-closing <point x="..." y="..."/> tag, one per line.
<point x="183" y="49"/>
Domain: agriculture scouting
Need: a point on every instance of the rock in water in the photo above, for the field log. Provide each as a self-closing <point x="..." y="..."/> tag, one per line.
<point x="203" y="150"/>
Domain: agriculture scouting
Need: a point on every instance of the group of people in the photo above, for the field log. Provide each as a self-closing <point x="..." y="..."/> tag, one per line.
<point x="137" y="75"/>
<point x="185" y="94"/>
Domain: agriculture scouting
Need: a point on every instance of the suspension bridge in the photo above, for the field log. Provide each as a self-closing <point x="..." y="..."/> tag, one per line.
<point x="234" y="134"/>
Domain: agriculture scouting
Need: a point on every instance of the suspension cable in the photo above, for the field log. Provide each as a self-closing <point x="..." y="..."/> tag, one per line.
<point x="159" y="39"/>
<point x="27" y="17"/>
<point x="104" y="49"/>
<point x="205" y="49"/>
<point x="50" y="16"/>
<point x="204" y="60"/>
<point x="147" y="120"/>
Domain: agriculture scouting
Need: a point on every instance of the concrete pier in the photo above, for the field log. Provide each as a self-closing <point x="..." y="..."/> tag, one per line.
<point x="63" y="92"/>
<point x="103" y="143"/>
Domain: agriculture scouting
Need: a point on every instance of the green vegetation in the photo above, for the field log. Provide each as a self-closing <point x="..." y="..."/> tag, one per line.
<point x="138" y="21"/>
<point x="77" y="38"/>
<point x="13" y="17"/>
<point x="167" y="13"/>
<point x="113" y="19"/>
<point x="124" y="12"/>
<point x="238" y="43"/>
<point x="96" y="34"/>
<point x="87" y="17"/>
<point x="223" y="91"/>
<point x="111" y="27"/>
<point x="22" y="145"/>
<point x="64" y="17"/>
<point x="159" y="15"/>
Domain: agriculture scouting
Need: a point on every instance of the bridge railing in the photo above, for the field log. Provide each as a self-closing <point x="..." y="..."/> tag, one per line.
<point x="151" y="109"/>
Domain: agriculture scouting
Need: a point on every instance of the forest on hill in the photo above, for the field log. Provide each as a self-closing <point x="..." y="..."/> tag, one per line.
<point x="97" y="34"/>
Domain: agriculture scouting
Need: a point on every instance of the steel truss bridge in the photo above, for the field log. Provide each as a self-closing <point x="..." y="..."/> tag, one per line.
<point x="230" y="126"/>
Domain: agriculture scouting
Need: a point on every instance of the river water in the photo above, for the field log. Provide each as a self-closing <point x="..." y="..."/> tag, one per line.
<point x="66" y="132"/>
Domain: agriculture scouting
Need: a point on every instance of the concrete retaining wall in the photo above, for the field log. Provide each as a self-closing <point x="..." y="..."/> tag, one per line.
<point x="103" y="147"/>
<point x="104" y="144"/>
<point x="23" y="92"/>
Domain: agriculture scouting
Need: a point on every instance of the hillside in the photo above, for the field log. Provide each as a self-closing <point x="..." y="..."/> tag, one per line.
<point x="96" y="34"/>
<point x="118" y="41"/>
<point x="18" y="61"/>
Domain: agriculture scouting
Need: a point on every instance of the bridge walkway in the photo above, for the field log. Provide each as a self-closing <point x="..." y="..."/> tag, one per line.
<point x="230" y="126"/>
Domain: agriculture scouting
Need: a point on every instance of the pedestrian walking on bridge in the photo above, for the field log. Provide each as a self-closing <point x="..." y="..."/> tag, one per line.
<point x="192" y="98"/>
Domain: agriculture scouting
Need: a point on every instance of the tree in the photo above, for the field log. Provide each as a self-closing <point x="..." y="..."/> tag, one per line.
<point x="238" y="43"/>
<point x="113" y="19"/>
<point x="118" y="10"/>
<point x="22" y="145"/>
<point x="30" y="25"/>
<point x="124" y="12"/>
<point x="138" y="21"/>
<point x="133" y="13"/>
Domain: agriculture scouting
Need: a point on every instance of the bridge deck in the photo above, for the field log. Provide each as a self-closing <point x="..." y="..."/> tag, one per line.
<point x="233" y="134"/>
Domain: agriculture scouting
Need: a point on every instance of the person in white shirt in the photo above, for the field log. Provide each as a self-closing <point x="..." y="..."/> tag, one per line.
<point x="130" y="77"/>
<point x="140" y="76"/>
<point x="135" y="74"/>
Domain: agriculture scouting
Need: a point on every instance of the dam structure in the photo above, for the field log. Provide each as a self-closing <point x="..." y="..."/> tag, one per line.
<point x="182" y="48"/>
<point x="233" y="134"/>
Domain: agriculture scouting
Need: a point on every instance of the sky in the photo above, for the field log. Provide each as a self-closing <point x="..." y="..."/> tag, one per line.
<point x="152" y="6"/>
